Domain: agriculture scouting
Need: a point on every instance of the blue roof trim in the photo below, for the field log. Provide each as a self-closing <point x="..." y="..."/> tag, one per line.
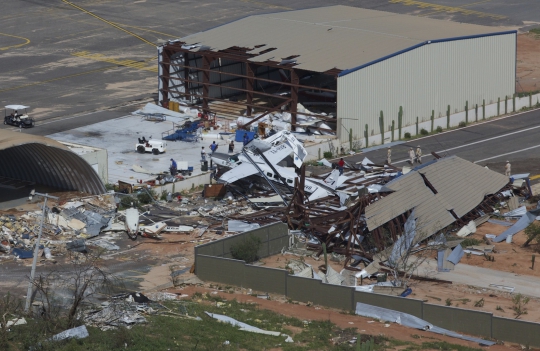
<point x="474" y="36"/>
<point x="351" y="70"/>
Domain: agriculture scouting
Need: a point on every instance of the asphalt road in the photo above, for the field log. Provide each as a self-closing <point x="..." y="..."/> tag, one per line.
<point x="67" y="59"/>
<point x="513" y="138"/>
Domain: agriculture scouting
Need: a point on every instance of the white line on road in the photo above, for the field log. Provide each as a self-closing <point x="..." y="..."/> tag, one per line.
<point x="483" y="141"/>
<point x="508" y="153"/>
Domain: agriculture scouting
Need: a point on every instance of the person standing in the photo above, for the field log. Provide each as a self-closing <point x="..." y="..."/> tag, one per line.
<point x="341" y="163"/>
<point x="213" y="147"/>
<point x="246" y="139"/>
<point x="411" y="156"/>
<point x="231" y="147"/>
<point x="389" y="156"/>
<point x="173" y="168"/>
<point x="418" y="154"/>
<point x="203" y="154"/>
<point x="507" y="168"/>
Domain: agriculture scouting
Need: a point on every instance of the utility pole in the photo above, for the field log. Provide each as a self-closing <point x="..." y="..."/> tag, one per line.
<point x="36" y="249"/>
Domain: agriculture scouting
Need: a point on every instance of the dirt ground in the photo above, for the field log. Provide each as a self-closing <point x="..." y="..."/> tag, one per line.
<point x="363" y="325"/>
<point x="528" y="62"/>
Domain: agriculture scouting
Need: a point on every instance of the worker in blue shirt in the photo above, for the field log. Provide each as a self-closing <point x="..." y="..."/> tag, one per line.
<point x="246" y="139"/>
<point x="173" y="167"/>
<point x="213" y="147"/>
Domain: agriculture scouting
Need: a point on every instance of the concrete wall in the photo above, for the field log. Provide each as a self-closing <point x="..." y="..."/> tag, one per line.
<point x="427" y="78"/>
<point x="212" y="264"/>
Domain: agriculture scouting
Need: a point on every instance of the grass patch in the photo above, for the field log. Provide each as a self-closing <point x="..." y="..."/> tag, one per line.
<point x="446" y="346"/>
<point x="176" y="333"/>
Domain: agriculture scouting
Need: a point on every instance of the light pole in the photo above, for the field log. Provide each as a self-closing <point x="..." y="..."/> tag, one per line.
<point x="36" y="250"/>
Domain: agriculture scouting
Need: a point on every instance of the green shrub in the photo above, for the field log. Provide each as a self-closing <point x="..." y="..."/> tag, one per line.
<point x="462" y="124"/>
<point x="146" y="197"/>
<point x="439" y="129"/>
<point x="327" y="154"/>
<point x="128" y="201"/>
<point x="423" y="132"/>
<point x="470" y="242"/>
<point x="407" y="135"/>
<point x="247" y="249"/>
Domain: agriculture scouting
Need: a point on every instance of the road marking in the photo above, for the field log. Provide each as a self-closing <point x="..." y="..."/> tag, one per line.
<point x="462" y="6"/>
<point x="534" y="177"/>
<point x="147" y="30"/>
<point x="110" y="23"/>
<point x="27" y="41"/>
<point x="127" y="63"/>
<point x="450" y="9"/>
<point x="508" y="153"/>
<point x="479" y="142"/>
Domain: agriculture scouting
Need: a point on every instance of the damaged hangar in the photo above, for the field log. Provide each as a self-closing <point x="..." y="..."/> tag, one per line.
<point x="346" y="64"/>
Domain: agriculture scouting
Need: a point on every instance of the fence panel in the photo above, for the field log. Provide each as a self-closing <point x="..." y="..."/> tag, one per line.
<point x="220" y="270"/>
<point x="335" y="296"/>
<point x="302" y="289"/>
<point x="457" y="319"/>
<point x="210" y="249"/>
<point x="264" y="279"/>
<point x="525" y="333"/>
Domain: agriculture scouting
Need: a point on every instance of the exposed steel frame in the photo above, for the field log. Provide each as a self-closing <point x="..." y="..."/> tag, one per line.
<point x="240" y="55"/>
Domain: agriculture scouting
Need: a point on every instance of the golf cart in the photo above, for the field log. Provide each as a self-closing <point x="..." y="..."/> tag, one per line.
<point x="16" y="118"/>
<point x="154" y="146"/>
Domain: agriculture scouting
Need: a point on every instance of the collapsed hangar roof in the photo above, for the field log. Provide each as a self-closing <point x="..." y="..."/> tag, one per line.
<point x="435" y="190"/>
<point x="45" y="161"/>
<point x="324" y="38"/>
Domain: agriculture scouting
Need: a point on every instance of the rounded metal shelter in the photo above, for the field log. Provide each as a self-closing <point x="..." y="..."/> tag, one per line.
<point x="45" y="161"/>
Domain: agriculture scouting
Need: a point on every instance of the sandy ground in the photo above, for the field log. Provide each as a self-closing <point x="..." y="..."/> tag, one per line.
<point x="528" y="62"/>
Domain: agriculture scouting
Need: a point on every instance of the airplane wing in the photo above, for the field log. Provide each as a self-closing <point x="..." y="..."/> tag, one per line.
<point x="238" y="172"/>
<point x="277" y="153"/>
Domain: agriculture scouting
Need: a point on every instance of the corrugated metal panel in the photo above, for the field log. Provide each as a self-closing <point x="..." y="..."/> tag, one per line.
<point x="461" y="185"/>
<point x="337" y="36"/>
<point x="45" y="161"/>
<point x="430" y="77"/>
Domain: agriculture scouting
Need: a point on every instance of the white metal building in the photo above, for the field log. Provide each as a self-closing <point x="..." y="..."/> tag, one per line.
<point x="379" y="61"/>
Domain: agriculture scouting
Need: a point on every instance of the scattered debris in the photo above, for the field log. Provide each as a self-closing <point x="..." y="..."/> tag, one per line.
<point x="411" y="321"/>
<point x="244" y="326"/>
<point x="74" y="333"/>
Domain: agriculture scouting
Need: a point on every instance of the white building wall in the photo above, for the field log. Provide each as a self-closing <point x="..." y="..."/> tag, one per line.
<point x="427" y="78"/>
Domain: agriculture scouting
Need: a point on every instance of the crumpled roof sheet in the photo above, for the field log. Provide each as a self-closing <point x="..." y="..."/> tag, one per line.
<point x="341" y="37"/>
<point x="46" y="161"/>
<point x="461" y="186"/>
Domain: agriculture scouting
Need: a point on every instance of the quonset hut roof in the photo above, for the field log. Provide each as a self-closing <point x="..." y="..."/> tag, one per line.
<point x="46" y="161"/>
<point x="340" y="37"/>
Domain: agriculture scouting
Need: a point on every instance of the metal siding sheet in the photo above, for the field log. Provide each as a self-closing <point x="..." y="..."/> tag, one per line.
<point x="400" y="304"/>
<point x="428" y="78"/>
<point x="457" y="319"/>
